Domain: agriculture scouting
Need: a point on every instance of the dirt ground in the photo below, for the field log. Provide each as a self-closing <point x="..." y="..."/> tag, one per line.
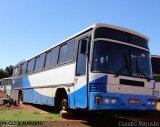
<point x="2" y="95"/>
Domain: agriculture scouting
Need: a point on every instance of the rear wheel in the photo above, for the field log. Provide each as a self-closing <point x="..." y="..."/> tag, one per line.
<point x="20" y="98"/>
<point x="61" y="101"/>
<point x="64" y="104"/>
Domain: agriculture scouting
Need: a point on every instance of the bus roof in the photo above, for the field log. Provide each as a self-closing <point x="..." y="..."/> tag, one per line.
<point x="122" y="29"/>
<point x="155" y="56"/>
<point x="89" y="28"/>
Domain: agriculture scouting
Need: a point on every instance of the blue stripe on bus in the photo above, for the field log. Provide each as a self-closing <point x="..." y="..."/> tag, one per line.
<point x="80" y="101"/>
<point x="32" y="96"/>
<point x="82" y="97"/>
<point x="98" y="85"/>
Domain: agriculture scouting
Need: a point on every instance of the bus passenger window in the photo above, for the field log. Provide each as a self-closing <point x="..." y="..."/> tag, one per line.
<point x="54" y="56"/>
<point x="48" y="57"/>
<point x="70" y="54"/>
<point x="23" y="69"/>
<point x="37" y="64"/>
<point x="42" y="59"/>
<point x="30" y="66"/>
<point x="17" y="70"/>
<point x="62" y="54"/>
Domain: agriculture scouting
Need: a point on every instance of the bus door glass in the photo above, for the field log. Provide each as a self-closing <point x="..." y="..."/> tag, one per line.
<point x="81" y="74"/>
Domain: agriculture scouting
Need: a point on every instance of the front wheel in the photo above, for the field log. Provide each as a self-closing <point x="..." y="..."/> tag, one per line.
<point x="61" y="104"/>
<point x="64" y="105"/>
<point x="20" y="99"/>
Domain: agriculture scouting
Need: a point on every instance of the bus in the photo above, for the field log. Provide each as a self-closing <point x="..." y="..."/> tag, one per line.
<point x="156" y="73"/>
<point x="103" y="67"/>
<point x="5" y="85"/>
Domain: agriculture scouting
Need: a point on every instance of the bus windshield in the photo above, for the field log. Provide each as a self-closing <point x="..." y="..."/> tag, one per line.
<point x="119" y="59"/>
<point x="156" y="68"/>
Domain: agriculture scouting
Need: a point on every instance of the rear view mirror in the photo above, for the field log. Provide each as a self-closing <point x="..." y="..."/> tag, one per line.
<point x="84" y="46"/>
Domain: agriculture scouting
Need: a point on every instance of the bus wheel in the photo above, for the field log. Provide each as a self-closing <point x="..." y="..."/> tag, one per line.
<point x="64" y="105"/>
<point x="20" y="99"/>
<point x="61" y="102"/>
<point x="64" y="109"/>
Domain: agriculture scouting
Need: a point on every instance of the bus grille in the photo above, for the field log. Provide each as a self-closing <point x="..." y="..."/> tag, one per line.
<point x="131" y="82"/>
<point x="98" y="87"/>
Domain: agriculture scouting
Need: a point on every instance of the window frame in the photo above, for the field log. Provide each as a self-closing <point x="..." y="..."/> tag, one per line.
<point x="87" y="37"/>
<point x="75" y="51"/>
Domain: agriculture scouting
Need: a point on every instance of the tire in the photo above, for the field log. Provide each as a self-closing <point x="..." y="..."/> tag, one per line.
<point x="20" y="99"/>
<point x="61" y="103"/>
<point x="64" y="104"/>
<point x="57" y="106"/>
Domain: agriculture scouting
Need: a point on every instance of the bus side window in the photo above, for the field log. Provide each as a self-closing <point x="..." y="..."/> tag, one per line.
<point x="23" y="69"/>
<point x="17" y="70"/>
<point x="37" y="64"/>
<point x="54" y="57"/>
<point x="62" y="54"/>
<point x="30" y="66"/>
<point x="51" y="58"/>
<point x="40" y="62"/>
<point x="71" y="48"/>
<point x="48" y="57"/>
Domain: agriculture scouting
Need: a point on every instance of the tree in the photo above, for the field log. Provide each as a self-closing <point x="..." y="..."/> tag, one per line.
<point x="7" y="72"/>
<point x="3" y="74"/>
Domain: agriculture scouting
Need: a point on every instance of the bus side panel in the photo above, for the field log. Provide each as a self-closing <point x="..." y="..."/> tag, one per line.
<point x="47" y="100"/>
<point x="26" y="95"/>
<point x="34" y="96"/>
<point x="16" y="83"/>
<point x="71" y="98"/>
<point x="40" y="88"/>
<point x="157" y="88"/>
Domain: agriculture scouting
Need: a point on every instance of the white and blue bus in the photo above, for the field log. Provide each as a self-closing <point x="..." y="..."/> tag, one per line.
<point x="103" y="67"/>
<point x="156" y="74"/>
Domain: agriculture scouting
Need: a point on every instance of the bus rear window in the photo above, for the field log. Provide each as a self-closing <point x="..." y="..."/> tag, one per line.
<point x="156" y="66"/>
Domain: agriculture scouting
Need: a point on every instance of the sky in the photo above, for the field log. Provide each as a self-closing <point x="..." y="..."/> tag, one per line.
<point x="28" y="27"/>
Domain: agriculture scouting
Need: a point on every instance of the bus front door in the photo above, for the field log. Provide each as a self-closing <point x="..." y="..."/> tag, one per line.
<point x="81" y="75"/>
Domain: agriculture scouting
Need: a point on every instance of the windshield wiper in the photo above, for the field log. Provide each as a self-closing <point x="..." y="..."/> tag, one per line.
<point x="149" y="79"/>
<point x="127" y="65"/>
<point x="141" y="72"/>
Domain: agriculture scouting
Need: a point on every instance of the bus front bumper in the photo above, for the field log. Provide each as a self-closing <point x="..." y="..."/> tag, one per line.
<point x="114" y="101"/>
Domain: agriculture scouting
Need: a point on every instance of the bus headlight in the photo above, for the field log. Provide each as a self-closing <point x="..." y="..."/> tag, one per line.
<point x="106" y="100"/>
<point x="151" y="102"/>
<point x="98" y="100"/>
<point x="113" y="100"/>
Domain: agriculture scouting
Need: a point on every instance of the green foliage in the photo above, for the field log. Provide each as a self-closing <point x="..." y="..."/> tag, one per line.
<point x="22" y="115"/>
<point x="7" y="72"/>
<point x="156" y="78"/>
<point x="3" y="74"/>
